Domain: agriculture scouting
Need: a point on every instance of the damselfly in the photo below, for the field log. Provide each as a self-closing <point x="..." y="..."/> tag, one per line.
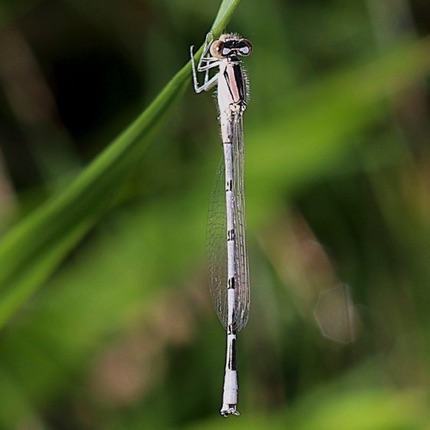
<point x="228" y="260"/>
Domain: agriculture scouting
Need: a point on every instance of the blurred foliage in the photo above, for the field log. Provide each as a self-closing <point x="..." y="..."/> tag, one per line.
<point x="123" y="334"/>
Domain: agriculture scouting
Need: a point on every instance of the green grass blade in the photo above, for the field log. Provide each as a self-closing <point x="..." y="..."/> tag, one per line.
<point x="224" y="15"/>
<point x="32" y="250"/>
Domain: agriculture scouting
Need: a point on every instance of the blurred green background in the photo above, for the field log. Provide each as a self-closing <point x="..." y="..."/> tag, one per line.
<point x="123" y="336"/>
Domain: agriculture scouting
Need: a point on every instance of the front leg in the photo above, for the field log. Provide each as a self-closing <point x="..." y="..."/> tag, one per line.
<point x="205" y="64"/>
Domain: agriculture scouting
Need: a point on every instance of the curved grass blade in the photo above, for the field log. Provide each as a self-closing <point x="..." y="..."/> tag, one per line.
<point x="32" y="250"/>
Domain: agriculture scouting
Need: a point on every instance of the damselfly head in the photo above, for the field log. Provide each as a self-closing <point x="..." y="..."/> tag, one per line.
<point x="230" y="46"/>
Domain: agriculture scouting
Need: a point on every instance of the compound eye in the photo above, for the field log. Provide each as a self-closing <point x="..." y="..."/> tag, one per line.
<point x="217" y="49"/>
<point x="246" y="49"/>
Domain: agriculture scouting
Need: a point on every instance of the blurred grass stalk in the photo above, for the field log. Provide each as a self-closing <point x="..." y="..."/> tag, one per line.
<point x="32" y="250"/>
